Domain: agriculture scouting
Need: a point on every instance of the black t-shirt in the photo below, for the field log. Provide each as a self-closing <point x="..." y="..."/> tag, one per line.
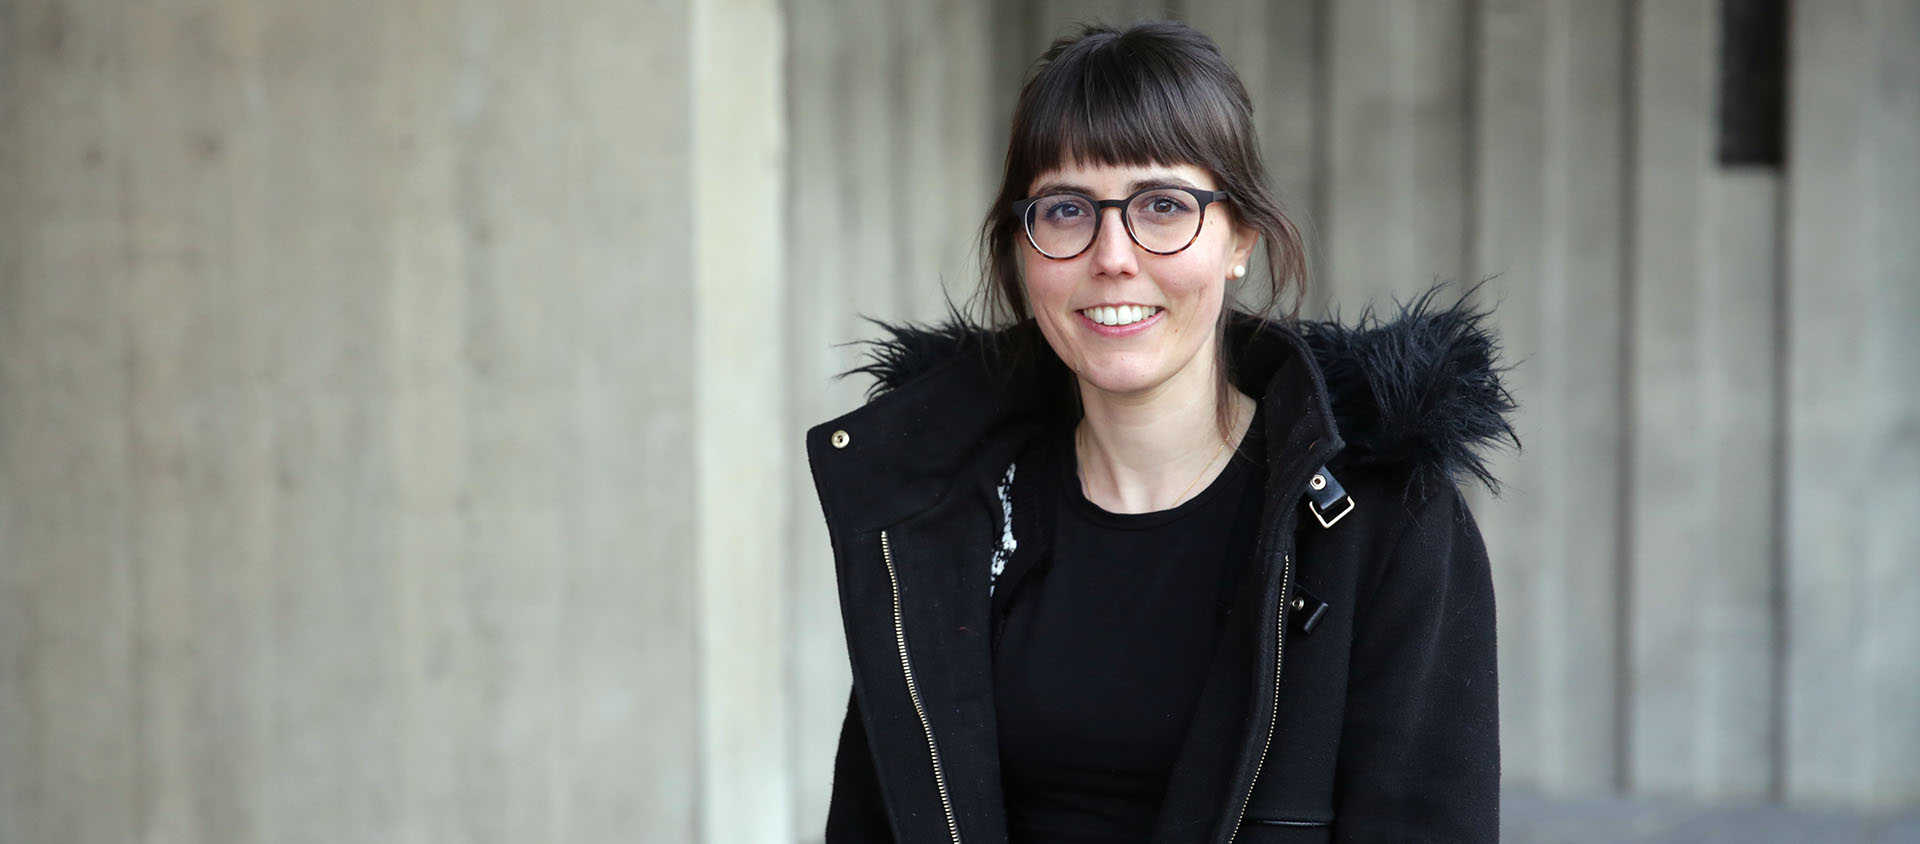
<point x="1105" y="645"/>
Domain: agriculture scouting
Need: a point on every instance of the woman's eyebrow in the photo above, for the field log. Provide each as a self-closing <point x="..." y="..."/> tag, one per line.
<point x="1133" y="187"/>
<point x="1159" y="182"/>
<point x="1061" y="187"/>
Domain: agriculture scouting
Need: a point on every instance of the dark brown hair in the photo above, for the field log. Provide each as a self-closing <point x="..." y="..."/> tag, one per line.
<point x="1156" y="93"/>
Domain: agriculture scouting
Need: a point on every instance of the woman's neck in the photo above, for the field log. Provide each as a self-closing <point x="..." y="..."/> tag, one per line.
<point x="1150" y="451"/>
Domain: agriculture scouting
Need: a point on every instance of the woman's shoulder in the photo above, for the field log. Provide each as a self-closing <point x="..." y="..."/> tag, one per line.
<point x="900" y="352"/>
<point x="1417" y="394"/>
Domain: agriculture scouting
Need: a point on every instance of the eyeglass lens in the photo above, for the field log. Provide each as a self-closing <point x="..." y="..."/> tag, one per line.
<point x="1161" y="220"/>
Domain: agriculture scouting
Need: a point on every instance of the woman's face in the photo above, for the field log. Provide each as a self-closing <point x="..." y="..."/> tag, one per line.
<point x="1179" y="294"/>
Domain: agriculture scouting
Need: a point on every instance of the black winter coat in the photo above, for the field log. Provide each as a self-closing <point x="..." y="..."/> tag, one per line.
<point x="1353" y="697"/>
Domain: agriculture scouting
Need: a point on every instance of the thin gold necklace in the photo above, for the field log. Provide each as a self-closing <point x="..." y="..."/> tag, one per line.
<point x="1078" y="448"/>
<point x="1203" y="473"/>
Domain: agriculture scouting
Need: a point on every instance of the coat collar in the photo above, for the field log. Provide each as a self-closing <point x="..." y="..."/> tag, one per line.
<point x="1420" y="389"/>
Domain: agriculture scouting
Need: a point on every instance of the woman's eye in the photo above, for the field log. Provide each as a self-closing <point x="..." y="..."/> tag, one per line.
<point x="1065" y="211"/>
<point x="1165" y="205"/>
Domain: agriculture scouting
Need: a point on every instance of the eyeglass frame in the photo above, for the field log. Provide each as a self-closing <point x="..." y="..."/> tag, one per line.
<point x="1202" y="198"/>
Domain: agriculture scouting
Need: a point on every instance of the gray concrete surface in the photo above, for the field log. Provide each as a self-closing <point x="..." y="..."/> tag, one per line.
<point x="1852" y="474"/>
<point x="347" y="433"/>
<point x="1551" y="186"/>
<point x="1702" y="440"/>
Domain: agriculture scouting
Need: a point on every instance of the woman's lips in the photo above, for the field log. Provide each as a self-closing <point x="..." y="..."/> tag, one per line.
<point x="1119" y="320"/>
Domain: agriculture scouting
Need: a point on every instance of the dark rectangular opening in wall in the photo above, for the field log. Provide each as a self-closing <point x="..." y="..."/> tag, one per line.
<point x="1753" y="80"/>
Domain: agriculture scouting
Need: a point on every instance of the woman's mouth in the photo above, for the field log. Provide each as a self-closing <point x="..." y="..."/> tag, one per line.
<point x="1118" y="315"/>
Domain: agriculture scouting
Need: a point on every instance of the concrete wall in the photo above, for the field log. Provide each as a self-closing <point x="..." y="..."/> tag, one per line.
<point x="359" y="478"/>
<point x="1851" y="474"/>
<point x="400" y="404"/>
<point x="1698" y="598"/>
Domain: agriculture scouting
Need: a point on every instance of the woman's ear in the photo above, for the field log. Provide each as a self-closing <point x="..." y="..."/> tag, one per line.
<point x="1244" y="239"/>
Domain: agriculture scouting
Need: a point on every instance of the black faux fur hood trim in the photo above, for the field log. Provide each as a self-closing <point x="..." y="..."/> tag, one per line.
<point x="1421" y="388"/>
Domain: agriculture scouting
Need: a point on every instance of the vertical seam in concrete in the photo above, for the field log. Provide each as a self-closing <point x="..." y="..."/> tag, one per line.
<point x="906" y="278"/>
<point x="1403" y="147"/>
<point x="1470" y="126"/>
<point x="702" y="760"/>
<point x="1020" y="21"/>
<point x="791" y="412"/>
<point x="1322" y="152"/>
<point x="135" y="581"/>
<point x="1782" y="420"/>
<point x="1623" y="480"/>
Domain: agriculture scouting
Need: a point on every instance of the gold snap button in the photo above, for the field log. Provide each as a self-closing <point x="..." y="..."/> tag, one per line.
<point x="1319" y="482"/>
<point x="840" y="439"/>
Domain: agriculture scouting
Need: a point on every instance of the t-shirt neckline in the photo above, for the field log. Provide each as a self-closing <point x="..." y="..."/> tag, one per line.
<point x="1067" y="475"/>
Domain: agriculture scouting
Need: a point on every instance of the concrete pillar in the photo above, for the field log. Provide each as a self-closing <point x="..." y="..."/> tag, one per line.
<point x="66" y="578"/>
<point x="1551" y="173"/>
<point x="390" y="422"/>
<point x="1398" y="200"/>
<point x="1704" y="283"/>
<point x="1852" y="597"/>
<point x="742" y="441"/>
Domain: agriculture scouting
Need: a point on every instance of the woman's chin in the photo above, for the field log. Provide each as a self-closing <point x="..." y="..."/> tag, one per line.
<point x="1120" y="381"/>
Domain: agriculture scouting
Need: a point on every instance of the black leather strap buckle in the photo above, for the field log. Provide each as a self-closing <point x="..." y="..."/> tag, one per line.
<point x="1327" y="521"/>
<point x="1326" y="496"/>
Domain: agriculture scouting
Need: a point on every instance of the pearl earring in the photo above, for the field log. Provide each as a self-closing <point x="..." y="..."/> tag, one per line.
<point x="1238" y="271"/>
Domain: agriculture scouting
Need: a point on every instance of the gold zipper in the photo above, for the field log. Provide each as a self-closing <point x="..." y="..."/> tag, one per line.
<point x="1279" y="652"/>
<point x="913" y="691"/>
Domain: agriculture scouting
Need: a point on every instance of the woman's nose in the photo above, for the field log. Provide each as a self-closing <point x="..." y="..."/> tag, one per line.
<point x="1113" y="250"/>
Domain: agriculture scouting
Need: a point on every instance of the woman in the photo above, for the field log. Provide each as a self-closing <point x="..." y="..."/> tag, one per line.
<point x="1131" y="566"/>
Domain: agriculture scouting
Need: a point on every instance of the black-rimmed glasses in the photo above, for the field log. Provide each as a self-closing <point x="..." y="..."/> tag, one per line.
<point x="1161" y="220"/>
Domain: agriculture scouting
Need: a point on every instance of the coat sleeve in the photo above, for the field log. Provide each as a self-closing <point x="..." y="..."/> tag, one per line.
<point x="1420" y="748"/>
<point x="856" y="814"/>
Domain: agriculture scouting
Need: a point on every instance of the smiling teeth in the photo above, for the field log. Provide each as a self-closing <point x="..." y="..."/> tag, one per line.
<point x="1119" y="314"/>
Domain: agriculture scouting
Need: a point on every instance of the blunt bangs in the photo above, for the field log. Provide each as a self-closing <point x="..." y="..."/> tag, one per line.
<point x="1109" y="99"/>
